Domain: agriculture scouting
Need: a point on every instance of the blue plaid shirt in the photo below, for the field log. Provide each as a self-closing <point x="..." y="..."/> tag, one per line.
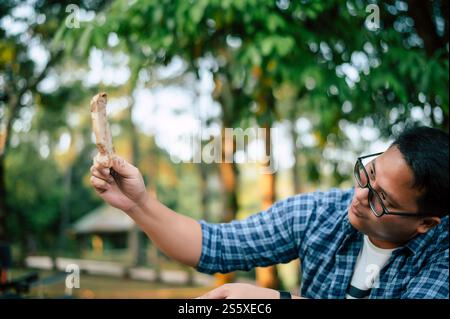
<point x="315" y="228"/>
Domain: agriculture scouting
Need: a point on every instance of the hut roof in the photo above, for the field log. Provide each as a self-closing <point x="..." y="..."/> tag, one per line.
<point x="105" y="219"/>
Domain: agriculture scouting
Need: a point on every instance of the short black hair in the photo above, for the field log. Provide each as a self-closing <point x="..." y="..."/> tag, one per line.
<point x="425" y="149"/>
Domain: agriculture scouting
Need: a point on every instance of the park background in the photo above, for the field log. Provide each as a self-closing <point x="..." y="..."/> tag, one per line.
<point x="337" y="79"/>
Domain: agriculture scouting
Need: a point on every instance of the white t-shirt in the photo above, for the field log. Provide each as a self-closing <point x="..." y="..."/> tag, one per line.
<point x="370" y="261"/>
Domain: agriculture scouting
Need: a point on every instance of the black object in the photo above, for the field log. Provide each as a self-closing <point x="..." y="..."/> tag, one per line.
<point x="285" y="295"/>
<point x="21" y="284"/>
<point x="5" y="256"/>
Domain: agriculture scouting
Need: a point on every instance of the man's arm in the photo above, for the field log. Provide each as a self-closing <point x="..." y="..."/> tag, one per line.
<point x="267" y="238"/>
<point x="178" y="236"/>
<point x="243" y="291"/>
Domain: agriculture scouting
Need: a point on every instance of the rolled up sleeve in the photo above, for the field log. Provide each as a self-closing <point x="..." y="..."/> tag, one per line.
<point x="267" y="238"/>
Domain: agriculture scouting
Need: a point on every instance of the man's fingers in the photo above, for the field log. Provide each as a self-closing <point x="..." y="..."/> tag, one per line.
<point x="99" y="183"/>
<point x="218" y="293"/>
<point x="103" y="171"/>
<point x="99" y="191"/>
<point x="102" y="175"/>
<point x="123" y="168"/>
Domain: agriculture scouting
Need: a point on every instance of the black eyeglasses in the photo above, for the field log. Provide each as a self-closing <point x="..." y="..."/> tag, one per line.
<point x="376" y="203"/>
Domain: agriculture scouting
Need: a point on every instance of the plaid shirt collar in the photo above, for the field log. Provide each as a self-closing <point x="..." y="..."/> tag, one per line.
<point x="420" y="242"/>
<point x="412" y="247"/>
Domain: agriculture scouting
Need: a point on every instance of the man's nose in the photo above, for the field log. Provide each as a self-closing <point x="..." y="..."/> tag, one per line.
<point x="362" y="195"/>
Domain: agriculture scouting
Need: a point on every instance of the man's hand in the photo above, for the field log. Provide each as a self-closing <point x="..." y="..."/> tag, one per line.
<point x="241" y="291"/>
<point x="122" y="186"/>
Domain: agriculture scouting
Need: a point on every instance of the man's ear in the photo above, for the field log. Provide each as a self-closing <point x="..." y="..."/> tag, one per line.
<point x="428" y="223"/>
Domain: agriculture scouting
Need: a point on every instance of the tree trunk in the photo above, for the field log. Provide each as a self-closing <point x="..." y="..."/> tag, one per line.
<point x="156" y="264"/>
<point x="228" y="170"/>
<point x="229" y="177"/>
<point x="133" y="239"/>
<point x="5" y="253"/>
<point x="23" y="239"/>
<point x="3" y="208"/>
<point x="5" y="138"/>
<point x="268" y="276"/>
<point x="153" y="160"/>
<point x="140" y="258"/>
<point x="204" y="176"/>
<point x="422" y="14"/>
<point x="65" y="212"/>
<point x="5" y="249"/>
<point x="296" y="167"/>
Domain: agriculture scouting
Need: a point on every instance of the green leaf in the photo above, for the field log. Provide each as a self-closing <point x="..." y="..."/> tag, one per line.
<point x="85" y="40"/>
<point x="266" y="46"/>
<point x="57" y="40"/>
<point x="254" y="56"/>
<point x="197" y="10"/>
<point x="285" y="45"/>
<point x="274" y="22"/>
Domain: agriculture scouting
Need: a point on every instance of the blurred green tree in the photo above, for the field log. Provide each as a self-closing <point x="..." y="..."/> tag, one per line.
<point x="26" y="29"/>
<point x="34" y="207"/>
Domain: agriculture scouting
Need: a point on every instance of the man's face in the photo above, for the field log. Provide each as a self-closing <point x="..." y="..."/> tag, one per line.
<point x="392" y="178"/>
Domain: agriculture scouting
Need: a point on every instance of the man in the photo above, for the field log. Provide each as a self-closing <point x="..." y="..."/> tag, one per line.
<point x="386" y="238"/>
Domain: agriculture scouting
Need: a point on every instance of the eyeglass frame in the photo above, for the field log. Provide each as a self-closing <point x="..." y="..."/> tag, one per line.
<point x="374" y="192"/>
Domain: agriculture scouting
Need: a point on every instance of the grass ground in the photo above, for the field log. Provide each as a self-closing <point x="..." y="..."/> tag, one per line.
<point x="92" y="286"/>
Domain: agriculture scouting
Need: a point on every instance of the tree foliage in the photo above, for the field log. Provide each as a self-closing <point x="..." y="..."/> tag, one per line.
<point x="322" y="49"/>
